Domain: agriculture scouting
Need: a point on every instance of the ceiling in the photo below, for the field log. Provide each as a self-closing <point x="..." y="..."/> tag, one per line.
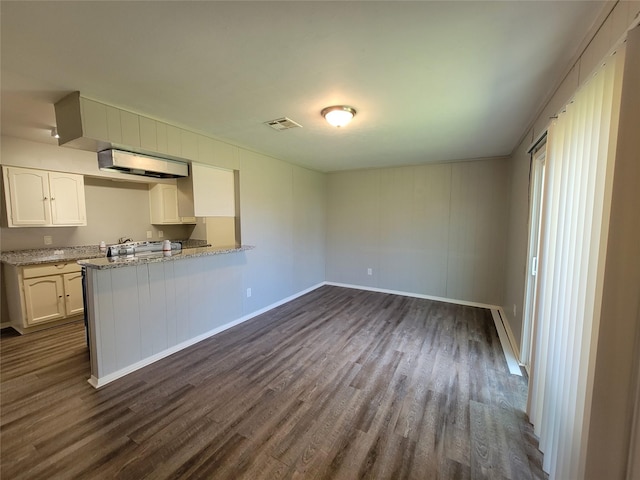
<point x="431" y="81"/>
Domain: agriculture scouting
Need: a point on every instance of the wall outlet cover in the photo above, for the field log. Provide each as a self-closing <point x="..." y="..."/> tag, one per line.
<point x="149" y="234"/>
<point x="160" y="234"/>
<point x="48" y="239"/>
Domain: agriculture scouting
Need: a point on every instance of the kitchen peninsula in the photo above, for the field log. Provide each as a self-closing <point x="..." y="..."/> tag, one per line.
<point x="142" y="309"/>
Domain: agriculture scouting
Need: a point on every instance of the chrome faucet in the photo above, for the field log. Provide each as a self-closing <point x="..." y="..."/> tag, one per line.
<point x="124" y="240"/>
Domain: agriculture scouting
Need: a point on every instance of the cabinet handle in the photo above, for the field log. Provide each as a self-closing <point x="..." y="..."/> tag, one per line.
<point x="53" y="198"/>
<point x="60" y="296"/>
<point x="67" y="295"/>
<point x="45" y="198"/>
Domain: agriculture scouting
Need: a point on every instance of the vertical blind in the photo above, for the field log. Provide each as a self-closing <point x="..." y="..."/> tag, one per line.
<point x="576" y="199"/>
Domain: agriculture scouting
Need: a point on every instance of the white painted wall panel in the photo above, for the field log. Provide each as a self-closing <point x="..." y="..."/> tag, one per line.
<point x="353" y="227"/>
<point x="309" y="227"/>
<point x="147" y="319"/>
<point x="105" y="322"/>
<point x="477" y="232"/>
<point x="433" y="229"/>
<point x="158" y="312"/>
<point x="126" y="316"/>
<point x="431" y="208"/>
<point x="183" y="302"/>
<point x="171" y="309"/>
<point x="266" y="200"/>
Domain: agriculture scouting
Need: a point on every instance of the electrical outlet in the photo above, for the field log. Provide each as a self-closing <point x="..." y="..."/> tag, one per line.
<point x="369" y="271"/>
<point x="149" y="234"/>
<point x="48" y="239"/>
<point x="248" y="292"/>
<point x="160" y="234"/>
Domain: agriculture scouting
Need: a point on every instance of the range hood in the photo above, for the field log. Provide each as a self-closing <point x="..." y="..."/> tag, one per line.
<point x="144" y="165"/>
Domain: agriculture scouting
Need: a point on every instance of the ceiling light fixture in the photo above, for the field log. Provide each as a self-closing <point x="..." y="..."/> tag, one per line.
<point x="338" y="115"/>
<point x="54" y="133"/>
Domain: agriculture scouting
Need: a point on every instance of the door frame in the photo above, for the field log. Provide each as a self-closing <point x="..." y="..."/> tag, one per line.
<point x="536" y="198"/>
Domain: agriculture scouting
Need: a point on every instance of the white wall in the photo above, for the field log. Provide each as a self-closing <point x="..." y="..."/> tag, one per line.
<point x="432" y="229"/>
<point x="283" y="215"/>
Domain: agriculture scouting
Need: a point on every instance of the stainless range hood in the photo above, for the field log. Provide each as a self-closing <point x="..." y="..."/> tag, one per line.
<point x="137" y="164"/>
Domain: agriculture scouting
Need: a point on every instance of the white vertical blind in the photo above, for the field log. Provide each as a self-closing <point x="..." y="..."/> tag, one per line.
<point x="580" y="156"/>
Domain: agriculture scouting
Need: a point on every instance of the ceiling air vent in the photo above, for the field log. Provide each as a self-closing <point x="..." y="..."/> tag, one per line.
<point x="283" y="123"/>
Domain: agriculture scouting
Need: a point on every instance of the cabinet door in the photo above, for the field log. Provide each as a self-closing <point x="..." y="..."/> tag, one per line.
<point x="73" y="293"/>
<point x="174" y="141"/>
<point x="114" y="125"/>
<point x="148" y="134"/>
<point x="213" y="191"/>
<point x="188" y="145"/>
<point x="67" y="199"/>
<point x="94" y="119"/>
<point x="130" y="129"/>
<point x="161" y="137"/>
<point x="27" y="196"/>
<point x="163" y="200"/>
<point x="44" y="298"/>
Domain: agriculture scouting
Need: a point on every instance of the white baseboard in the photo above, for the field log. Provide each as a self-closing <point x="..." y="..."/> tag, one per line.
<point x="512" y="361"/>
<point x="512" y="338"/>
<point x="414" y="295"/>
<point x="102" y="381"/>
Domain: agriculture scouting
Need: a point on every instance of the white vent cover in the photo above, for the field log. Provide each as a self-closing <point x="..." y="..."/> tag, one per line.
<point x="283" y="123"/>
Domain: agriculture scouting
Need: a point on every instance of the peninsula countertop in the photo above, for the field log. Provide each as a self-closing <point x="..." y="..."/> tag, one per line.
<point x="129" y="260"/>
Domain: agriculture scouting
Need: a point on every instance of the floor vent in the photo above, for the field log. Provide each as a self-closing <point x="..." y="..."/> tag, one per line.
<point x="283" y="123"/>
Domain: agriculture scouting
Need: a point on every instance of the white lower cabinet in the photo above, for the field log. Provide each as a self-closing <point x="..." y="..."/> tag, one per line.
<point x="43" y="294"/>
<point x="44" y="299"/>
<point x="73" y="302"/>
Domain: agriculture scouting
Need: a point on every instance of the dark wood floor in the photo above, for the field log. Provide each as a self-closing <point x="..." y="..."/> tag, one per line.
<point x="339" y="383"/>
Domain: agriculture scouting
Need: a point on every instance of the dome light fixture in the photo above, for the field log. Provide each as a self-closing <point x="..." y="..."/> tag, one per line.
<point x="338" y="115"/>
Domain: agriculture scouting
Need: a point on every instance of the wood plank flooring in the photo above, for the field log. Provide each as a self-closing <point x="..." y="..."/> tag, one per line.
<point x="337" y="384"/>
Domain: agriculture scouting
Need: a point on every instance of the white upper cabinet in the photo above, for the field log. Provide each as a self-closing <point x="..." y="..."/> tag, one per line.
<point x="67" y="199"/>
<point x="27" y="197"/>
<point x="163" y="205"/>
<point x="207" y="192"/>
<point x="36" y="198"/>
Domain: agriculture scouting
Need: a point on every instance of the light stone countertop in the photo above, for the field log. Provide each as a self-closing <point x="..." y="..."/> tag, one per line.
<point x="21" y="258"/>
<point x="126" y="261"/>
